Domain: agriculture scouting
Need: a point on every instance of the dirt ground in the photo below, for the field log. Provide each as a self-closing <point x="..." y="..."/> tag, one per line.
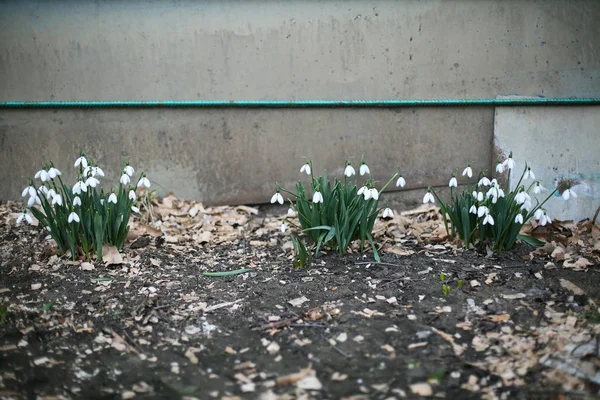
<point x="149" y="324"/>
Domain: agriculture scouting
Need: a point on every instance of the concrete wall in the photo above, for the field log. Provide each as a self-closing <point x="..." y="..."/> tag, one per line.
<point x="182" y="50"/>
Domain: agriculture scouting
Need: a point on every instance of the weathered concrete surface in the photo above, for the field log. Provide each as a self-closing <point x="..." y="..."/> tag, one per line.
<point x="560" y="144"/>
<point x="150" y="50"/>
<point x="236" y="156"/>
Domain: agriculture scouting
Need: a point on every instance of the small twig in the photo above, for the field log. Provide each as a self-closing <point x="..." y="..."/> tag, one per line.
<point x="433" y="319"/>
<point x="340" y="351"/>
<point x="309" y="325"/>
<point x="380" y="263"/>
<point x="279" y="324"/>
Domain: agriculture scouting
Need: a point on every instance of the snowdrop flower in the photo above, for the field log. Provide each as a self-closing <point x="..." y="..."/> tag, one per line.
<point x="520" y="197"/>
<point x="364" y="169"/>
<point x="362" y="190"/>
<point x="545" y="219"/>
<point x="73" y="217"/>
<point x="519" y="219"/>
<point x="305" y="168"/>
<point x="349" y="171"/>
<point x="468" y="171"/>
<point x="367" y="194"/>
<point x="81" y="161"/>
<point x="93" y="171"/>
<point x="453" y="182"/>
<point x="125" y="179"/>
<point x="112" y="198"/>
<point x="428" y="198"/>
<point x="277" y="197"/>
<point x="488" y="220"/>
<point x="387" y="213"/>
<point x="568" y="193"/>
<point x="509" y="162"/>
<point x="499" y="168"/>
<point x="91" y="182"/>
<point x="473" y="209"/>
<point x="374" y="194"/>
<point x="25" y="216"/>
<point x="129" y="170"/>
<point x="290" y="212"/>
<point x="317" y="197"/>
<point x="34" y="200"/>
<point x="53" y="172"/>
<point x="539" y="213"/>
<point x="135" y="209"/>
<point x="42" y="175"/>
<point x="538" y="188"/>
<point x="400" y="182"/>
<point x="482" y="210"/>
<point x="57" y="199"/>
<point x="484" y="181"/>
<point x="79" y="187"/>
<point x="283" y="227"/>
<point x="529" y="174"/>
<point x="526" y="206"/>
<point x="29" y="190"/>
<point x="50" y="193"/>
<point x="146" y="182"/>
<point x="77" y="201"/>
<point x="132" y="195"/>
<point x="477" y="195"/>
<point x="43" y="190"/>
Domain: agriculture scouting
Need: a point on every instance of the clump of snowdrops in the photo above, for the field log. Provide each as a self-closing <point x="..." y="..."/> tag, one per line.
<point x="486" y="212"/>
<point x="80" y="218"/>
<point x="335" y="213"/>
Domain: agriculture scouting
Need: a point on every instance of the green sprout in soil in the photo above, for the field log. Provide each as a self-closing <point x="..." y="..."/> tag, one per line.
<point x="593" y="316"/>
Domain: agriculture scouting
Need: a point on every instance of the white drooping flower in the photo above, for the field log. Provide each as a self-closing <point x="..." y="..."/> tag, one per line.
<point x="453" y="182"/>
<point x="283" y="227"/>
<point x="129" y="170"/>
<point x="374" y="194"/>
<point x="484" y="181"/>
<point x="73" y="217"/>
<point x="428" y="198"/>
<point x="367" y="193"/>
<point x="468" y="171"/>
<point x="25" y="216"/>
<point x="527" y="205"/>
<point x="305" y="168"/>
<point x="57" y="199"/>
<point x="93" y="171"/>
<point x="388" y="213"/>
<point x="125" y="179"/>
<point x="477" y="195"/>
<point x="520" y="197"/>
<point x="364" y="169"/>
<point x="545" y="219"/>
<point x="145" y="182"/>
<point x="91" y="182"/>
<point x="473" y="209"/>
<point x="50" y="193"/>
<point x="519" y="219"/>
<point x="509" y="162"/>
<point x="53" y="172"/>
<point x="529" y="174"/>
<point x="317" y="197"/>
<point x="112" y="198"/>
<point x="349" y="171"/>
<point x="135" y="209"/>
<point x="132" y="195"/>
<point x="539" y="213"/>
<point x="400" y="181"/>
<point x="277" y="197"/>
<point x="488" y="220"/>
<point x="77" y="201"/>
<point x="499" y="168"/>
<point x="79" y="187"/>
<point x="362" y="190"/>
<point x="482" y="210"/>
<point x="538" y="188"/>
<point x="290" y="212"/>
<point x="81" y="161"/>
<point x="42" y="175"/>
<point x="568" y="193"/>
<point x="29" y="190"/>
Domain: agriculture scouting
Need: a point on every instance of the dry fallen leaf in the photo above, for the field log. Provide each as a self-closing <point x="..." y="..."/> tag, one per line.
<point x="87" y="266"/>
<point x="111" y="256"/>
<point x="421" y="389"/>
<point x="571" y="286"/>
<point x="293" y="378"/>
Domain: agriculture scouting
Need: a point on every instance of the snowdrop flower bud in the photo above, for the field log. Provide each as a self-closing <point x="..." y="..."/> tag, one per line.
<point x="388" y="213"/>
<point x="499" y="168"/>
<point x="53" y="172"/>
<point x="283" y="227"/>
<point x="132" y="195"/>
<point x="125" y="179"/>
<point x="428" y="198"/>
<point x="364" y="169"/>
<point x="374" y="194"/>
<point x="488" y="220"/>
<point x="145" y="182"/>
<point x="25" y="216"/>
<point x="484" y="181"/>
<point x="290" y="212"/>
<point x="453" y="182"/>
<point x="349" y="171"/>
<point x="34" y="200"/>
<point x="479" y="196"/>
<point x="73" y="217"/>
<point x="29" y="190"/>
<point x="482" y="210"/>
<point x="529" y="174"/>
<point x="362" y="190"/>
<point x="91" y="182"/>
<point x="519" y="219"/>
<point x="468" y="171"/>
<point x="57" y="199"/>
<point x="112" y="198"/>
<point x="473" y="209"/>
<point x="77" y="201"/>
<point x="277" y="197"/>
<point x="42" y="175"/>
<point x="400" y="182"/>
<point x="317" y="197"/>
<point x="568" y="193"/>
<point x="81" y="161"/>
<point x="135" y="209"/>
<point x="129" y="170"/>
<point x="305" y="168"/>
<point x="539" y="213"/>
<point x="79" y="187"/>
<point x="545" y="219"/>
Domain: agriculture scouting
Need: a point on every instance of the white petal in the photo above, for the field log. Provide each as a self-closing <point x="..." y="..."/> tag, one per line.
<point x="20" y="219"/>
<point x="374" y="194"/>
<point x="132" y="195"/>
<point x="28" y="218"/>
<point x="135" y="209"/>
<point x="400" y="182"/>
